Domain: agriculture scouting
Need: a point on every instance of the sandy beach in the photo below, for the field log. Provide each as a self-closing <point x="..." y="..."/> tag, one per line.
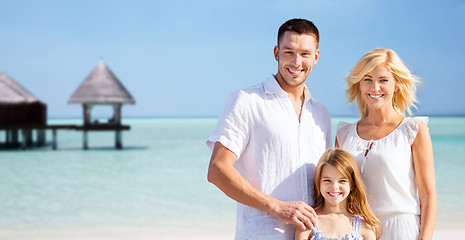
<point x="117" y="233"/>
<point x="439" y="234"/>
<point x="228" y="234"/>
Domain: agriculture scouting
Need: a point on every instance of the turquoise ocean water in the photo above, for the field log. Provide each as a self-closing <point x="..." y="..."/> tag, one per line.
<point x="158" y="181"/>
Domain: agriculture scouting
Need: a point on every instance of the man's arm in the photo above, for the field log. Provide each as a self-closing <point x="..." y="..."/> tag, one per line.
<point x="221" y="172"/>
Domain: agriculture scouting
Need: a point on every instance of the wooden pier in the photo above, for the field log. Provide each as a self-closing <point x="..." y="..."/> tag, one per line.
<point x="13" y="132"/>
<point x="21" y="113"/>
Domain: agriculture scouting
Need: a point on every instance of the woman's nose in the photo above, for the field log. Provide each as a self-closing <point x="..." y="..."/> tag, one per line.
<point x="375" y="86"/>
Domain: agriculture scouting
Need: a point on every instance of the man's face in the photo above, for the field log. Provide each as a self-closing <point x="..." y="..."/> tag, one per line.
<point x="296" y="55"/>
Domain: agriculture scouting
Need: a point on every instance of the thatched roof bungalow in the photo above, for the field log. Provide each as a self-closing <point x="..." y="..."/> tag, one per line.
<point x="101" y="87"/>
<point x="18" y="106"/>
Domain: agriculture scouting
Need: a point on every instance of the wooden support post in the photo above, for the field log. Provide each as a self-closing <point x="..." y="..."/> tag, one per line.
<point x="87" y="107"/>
<point x="1" y="139"/>
<point x="7" y="138"/>
<point x="29" y="141"/>
<point x="14" y="137"/>
<point x="118" y="140"/>
<point x="117" y="113"/>
<point x="40" y="137"/>
<point x="85" y="144"/>
<point x="54" y="139"/>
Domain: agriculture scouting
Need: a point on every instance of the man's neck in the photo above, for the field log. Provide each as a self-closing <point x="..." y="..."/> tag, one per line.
<point x="296" y="94"/>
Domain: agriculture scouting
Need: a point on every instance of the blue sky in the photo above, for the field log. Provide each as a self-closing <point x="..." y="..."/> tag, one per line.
<point x="183" y="58"/>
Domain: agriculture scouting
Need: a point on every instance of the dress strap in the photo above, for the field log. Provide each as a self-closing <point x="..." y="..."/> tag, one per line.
<point x="356" y="225"/>
<point x="316" y="234"/>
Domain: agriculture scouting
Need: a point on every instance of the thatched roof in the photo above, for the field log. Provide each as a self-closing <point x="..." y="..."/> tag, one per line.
<point x="101" y="87"/>
<point x="13" y="93"/>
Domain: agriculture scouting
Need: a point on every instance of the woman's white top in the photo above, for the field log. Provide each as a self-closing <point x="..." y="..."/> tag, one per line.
<point x="386" y="166"/>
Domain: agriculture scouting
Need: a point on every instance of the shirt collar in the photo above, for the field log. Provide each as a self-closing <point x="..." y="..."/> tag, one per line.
<point x="271" y="86"/>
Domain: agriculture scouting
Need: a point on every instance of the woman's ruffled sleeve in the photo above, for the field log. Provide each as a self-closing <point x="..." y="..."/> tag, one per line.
<point x="413" y="127"/>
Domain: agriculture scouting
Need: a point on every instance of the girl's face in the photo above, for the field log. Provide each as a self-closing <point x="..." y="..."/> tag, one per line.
<point x="334" y="187"/>
<point x="377" y="88"/>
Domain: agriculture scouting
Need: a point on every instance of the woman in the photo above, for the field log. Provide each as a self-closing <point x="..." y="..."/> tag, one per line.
<point x="394" y="152"/>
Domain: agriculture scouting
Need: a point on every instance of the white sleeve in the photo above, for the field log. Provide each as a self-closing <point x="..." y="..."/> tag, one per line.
<point x="413" y="127"/>
<point x="341" y="134"/>
<point x="232" y="129"/>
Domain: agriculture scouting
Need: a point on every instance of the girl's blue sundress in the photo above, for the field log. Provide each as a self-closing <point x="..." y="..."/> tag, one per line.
<point x="354" y="235"/>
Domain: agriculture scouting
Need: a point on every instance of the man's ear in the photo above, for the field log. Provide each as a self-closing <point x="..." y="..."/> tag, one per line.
<point x="276" y="53"/>
<point x="317" y="56"/>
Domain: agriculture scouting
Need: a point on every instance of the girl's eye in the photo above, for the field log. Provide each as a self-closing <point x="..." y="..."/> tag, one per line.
<point x="367" y="79"/>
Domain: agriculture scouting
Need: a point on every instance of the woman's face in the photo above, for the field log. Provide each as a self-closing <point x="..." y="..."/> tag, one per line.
<point x="377" y="88"/>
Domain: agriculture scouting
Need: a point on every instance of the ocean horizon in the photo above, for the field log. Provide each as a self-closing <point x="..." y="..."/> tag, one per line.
<point x="157" y="182"/>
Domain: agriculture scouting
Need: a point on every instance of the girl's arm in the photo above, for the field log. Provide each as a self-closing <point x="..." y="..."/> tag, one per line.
<point x="422" y="151"/>
<point x="302" y="235"/>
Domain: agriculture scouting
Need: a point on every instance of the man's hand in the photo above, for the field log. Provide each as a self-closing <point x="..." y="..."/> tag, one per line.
<point x="298" y="213"/>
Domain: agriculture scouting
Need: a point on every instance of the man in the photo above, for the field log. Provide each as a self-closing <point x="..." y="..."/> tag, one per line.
<point x="268" y="140"/>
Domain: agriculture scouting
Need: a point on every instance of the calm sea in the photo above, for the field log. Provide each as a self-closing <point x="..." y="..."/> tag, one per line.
<point x="158" y="181"/>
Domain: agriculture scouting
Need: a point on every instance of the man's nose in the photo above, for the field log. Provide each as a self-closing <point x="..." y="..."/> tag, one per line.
<point x="297" y="60"/>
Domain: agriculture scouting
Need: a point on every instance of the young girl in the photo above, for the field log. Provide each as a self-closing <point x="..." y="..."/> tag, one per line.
<point x="340" y="201"/>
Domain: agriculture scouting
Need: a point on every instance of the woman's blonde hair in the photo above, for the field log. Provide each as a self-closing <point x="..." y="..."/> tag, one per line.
<point x="357" y="200"/>
<point x="403" y="99"/>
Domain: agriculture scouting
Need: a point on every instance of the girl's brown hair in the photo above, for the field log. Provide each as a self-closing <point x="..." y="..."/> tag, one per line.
<point x="357" y="200"/>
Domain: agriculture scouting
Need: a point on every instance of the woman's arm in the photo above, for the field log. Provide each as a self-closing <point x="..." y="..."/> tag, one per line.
<point x="422" y="151"/>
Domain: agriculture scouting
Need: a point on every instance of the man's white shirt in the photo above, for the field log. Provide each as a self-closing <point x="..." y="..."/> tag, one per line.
<point x="276" y="153"/>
